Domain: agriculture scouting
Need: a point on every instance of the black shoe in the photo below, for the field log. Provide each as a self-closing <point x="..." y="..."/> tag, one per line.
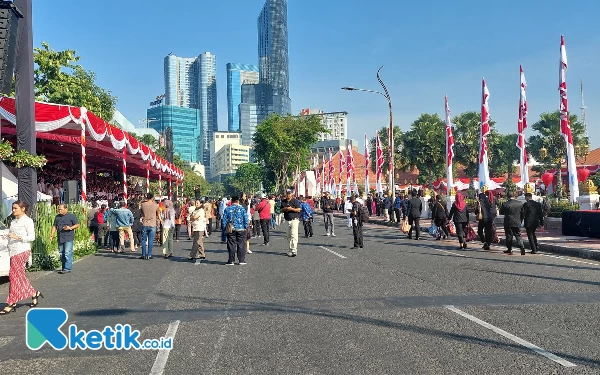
<point x="8" y="309"/>
<point x="507" y="251"/>
<point x="522" y="251"/>
<point x="354" y="247"/>
<point x="34" y="299"/>
<point x="142" y="257"/>
<point x="361" y="247"/>
<point x="533" y="252"/>
<point x="464" y="245"/>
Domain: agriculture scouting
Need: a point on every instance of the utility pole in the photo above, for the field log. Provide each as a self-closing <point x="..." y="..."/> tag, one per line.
<point x="583" y="107"/>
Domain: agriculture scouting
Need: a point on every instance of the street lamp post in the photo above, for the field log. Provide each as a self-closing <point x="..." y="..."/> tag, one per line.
<point x="386" y="95"/>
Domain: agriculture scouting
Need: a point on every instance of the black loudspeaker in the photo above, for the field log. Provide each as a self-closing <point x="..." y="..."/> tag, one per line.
<point x="71" y="192"/>
<point x="9" y="19"/>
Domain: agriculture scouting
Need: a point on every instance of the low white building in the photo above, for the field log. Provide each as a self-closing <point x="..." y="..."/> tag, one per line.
<point x="335" y="122"/>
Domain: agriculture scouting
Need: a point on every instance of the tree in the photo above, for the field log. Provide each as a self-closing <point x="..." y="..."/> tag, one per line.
<point x="58" y="79"/>
<point x="503" y="154"/>
<point x="282" y="144"/>
<point x="467" y="135"/>
<point x="425" y="147"/>
<point x="217" y="189"/>
<point x="550" y="139"/>
<point x="247" y="178"/>
<point x="399" y="162"/>
<point x="147" y="139"/>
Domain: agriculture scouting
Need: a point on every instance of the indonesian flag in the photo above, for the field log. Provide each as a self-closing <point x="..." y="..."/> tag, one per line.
<point x="449" y="148"/>
<point x="331" y="187"/>
<point x="379" y="164"/>
<point x="565" y="127"/>
<point x="323" y="177"/>
<point x="484" y="171"/>
<point x="349" y="167"/>
<point x="342" y="164"/>
<point x="317" y="174"/>
<point x="367" y="164"/>
<point x="522" y="125"/>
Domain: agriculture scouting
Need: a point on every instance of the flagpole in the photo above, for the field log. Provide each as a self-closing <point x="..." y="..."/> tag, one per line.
<point x="449" y="149"/>
<point x="367" y="163"/>
<point x="484" y="173"/>
<point x="522" y="125"/>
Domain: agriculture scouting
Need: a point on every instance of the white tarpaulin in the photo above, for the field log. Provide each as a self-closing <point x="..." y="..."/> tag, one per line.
<point x="10" y="191"/>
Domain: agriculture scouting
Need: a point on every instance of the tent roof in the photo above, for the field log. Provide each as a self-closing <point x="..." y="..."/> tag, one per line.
<point x="59" y="130"/>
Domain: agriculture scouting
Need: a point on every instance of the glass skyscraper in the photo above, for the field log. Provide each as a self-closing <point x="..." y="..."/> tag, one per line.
<point x="192" y="83"/>
<point x="185" y="125"/>
<point x="237" y="75"/>
<point x="273" y="53"/>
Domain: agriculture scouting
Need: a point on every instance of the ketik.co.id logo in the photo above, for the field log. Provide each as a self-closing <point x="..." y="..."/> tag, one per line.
<point x="44" y="324"/>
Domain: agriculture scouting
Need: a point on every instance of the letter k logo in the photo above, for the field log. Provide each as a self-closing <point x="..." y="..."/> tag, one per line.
<point x="43" y="325"/>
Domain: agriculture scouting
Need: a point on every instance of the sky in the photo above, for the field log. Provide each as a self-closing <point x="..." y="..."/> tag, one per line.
<point x="428" y="48"/>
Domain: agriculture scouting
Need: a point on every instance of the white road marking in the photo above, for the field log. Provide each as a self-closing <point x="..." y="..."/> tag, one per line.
<point x="570" y="260"/>
<point x="163" y="354"/>
<point x="512" y="337"/>
<point x="332" y="252"/>
<point x="449" y="252"/>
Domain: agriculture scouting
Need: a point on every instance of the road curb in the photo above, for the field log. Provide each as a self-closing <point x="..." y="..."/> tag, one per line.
<point x="549" y="248"/>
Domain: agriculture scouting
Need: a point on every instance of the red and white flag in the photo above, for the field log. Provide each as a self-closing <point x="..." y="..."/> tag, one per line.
<point x="565" y="127"/>
<point x="367" y="164"/>
<point x="331" y="187"/>
<point x="522" y="125"/>
<point x="349" y="167"/>
<point x="379" y="165"/>
<point x="323" y="176"/>
<point x="343" y="163"/>
<point x="449" y="148"/>
<point x="484" y="171"/>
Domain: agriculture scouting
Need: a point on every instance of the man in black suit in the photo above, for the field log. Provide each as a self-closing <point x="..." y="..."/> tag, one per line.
<point x="533" y="217"/>
<point x="414" y="215"/>
<point x="511" y="210"/>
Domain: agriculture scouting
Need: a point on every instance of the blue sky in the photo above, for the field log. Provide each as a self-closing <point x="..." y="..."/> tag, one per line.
<point x="429" y="49"/>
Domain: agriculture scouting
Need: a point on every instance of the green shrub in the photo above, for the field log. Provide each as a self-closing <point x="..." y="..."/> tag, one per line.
<point x="557" y="207"/>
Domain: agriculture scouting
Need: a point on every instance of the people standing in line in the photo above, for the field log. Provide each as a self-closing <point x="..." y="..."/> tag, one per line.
<point x="347" y="210"/>
<point x="209" y="216"/>
<point x="439" y="216"/>
<point x="512" y="211"/>
<point x="264" y="214"/>
<point x="306" y="214"/>
<point x="168" y="225"/>
<point x="150" y="218"/>
<point x="198" y="221"/>
<point x="328" y="207"/>
<point x="459" y="213"/>
<point x="124" y="221"/>
<point x="369" y="203"/>
<point x="291" y="211"/>
<point x="20" y="236"/>
<point x="414" y="215"/>
<point x="92" y="220"/>
<point x="488" y="214"/>
<point x="357" y="223"/>
<point x="136" y="228"/>
<point x="533" y="218"/>
<point x="102" y="240"/>
<point x="238" y="217"/>
<point x="65" y="224"/>
<point x="398" y="208"/>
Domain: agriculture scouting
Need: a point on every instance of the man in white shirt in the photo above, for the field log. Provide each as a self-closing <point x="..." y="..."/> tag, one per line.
<point x="347" y="210"/>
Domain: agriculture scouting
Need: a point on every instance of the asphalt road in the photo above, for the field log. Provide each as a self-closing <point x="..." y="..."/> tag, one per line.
<point x="397" y="306"/>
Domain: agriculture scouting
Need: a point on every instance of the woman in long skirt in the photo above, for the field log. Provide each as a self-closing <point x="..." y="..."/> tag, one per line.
<point x="21" y="234"/>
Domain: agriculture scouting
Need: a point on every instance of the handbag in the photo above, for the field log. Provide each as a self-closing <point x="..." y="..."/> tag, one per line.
<point x="451" y="228"/>
<point x="480" y="214"/>
<point x="405" y="227"/>
<point x="433" y="230"/>
<point x="470" y="234"/>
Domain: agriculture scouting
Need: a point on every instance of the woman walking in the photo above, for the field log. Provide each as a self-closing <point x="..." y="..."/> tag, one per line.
<point x="460" y="214"/>
<point x="439" y="216"/>
<point x="178" y="221"/>
<point x="21" y="234"/>
<point x="136" y="228"/>
<point x="168" y="224"/>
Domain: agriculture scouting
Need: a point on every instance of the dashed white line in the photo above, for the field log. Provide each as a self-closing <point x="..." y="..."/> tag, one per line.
<point x="332" y="252"/>
<point x="449" y="252"/>
<point x="163" y="354"/>
<point x="514" y="338"/>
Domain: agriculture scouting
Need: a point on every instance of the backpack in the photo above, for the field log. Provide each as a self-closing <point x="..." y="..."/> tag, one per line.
<point x="100" y="217"/>
<point x="363" y="212"/>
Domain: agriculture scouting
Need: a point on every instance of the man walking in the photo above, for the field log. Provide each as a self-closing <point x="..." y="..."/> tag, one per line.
<point x="357" y="223"/>
<point x="291" y="213"/>
<point x="264" y="215"/>
<point x="328" y="205"/>
<point x="511" y="209"/>
<point x="65" y="223"/>
<point x="150" y="218"/>
<point x="414" y="215"/>
<point x="208" y="212"/>
<point x="236" y="240"/>
<point x="124" y="221"/>
<point x="347" y="210"/>
<point x="306" y="214"/>
<point x="533" y="218"/>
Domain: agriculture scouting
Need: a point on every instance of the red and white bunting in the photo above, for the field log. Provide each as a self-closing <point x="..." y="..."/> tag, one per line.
<point x="484" y="171"/>
<point x="565" y="127"/>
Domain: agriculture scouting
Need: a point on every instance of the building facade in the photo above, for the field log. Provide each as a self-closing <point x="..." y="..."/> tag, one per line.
<point x="185" y="126"/>
<point x="237" y="75"/>
<point x="192" y="83"/>
<point x="120" y="120"/>
<point x="229" y="158"/>
<point x="335" y="122"/>
<point x="273" y="61"/>
<point x="219" y="140"/>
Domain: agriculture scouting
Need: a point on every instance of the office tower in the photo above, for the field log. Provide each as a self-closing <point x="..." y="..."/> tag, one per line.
<point x="335" y="122"/>
<point x="257" y="104"/>
<point x="185" y="126"/>
<point x="237" y="75"/>
<point x="273" y="53"/>
<point x="192" y="83"/>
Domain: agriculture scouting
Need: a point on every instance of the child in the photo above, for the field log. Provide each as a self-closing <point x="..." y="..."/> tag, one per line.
<point x="306" y="214"/>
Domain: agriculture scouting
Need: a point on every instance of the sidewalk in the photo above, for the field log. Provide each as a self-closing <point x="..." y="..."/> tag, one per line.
<point x="550" y="241"/>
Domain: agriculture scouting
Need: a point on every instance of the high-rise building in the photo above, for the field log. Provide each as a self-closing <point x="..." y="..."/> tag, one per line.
<point x="237" y="75"/>
<point x="185" y="126"/>
<point x="335" y="122"/>
<point x="192" y="83"/>
<point x="257" y="103"/>
<point x="273" y="59"/>
<point x="218" y="141"/>
<point x="229" y="158"/>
